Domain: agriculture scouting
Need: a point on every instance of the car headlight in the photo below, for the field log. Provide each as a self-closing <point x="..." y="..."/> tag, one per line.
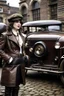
<point x="30" y="49"/>
<point x="39" y="49"/>
<point x="57" y="45"/>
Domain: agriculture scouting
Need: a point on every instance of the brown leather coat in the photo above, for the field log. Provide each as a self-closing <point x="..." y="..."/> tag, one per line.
<point x="9" y="47"/>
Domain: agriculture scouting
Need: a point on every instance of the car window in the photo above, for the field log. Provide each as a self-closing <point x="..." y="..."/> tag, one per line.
<point x="34" y="29"/>
<point x="54" y="28"/>
<point x="47" y="28"/>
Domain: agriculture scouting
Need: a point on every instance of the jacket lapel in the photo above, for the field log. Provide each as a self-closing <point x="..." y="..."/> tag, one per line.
<point x="13" y="38"/>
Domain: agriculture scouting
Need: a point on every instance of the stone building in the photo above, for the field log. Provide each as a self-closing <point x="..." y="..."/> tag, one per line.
<point x="42" y="9"/>
<point x="6" y="10"/>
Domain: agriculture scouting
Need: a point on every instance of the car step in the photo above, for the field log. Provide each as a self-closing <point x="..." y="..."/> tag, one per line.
<point x="44" y="70"/>
<point x="47" y="67"/>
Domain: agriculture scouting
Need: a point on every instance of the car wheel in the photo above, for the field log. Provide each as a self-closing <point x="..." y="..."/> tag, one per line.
<point x="62" y="69"/>
<point x="39" y="49"/>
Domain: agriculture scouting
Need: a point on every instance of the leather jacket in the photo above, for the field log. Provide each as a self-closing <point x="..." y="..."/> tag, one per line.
<point x="9" y="46"/>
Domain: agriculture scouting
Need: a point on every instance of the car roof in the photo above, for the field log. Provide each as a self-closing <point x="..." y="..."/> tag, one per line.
<point x="41" y="23"/>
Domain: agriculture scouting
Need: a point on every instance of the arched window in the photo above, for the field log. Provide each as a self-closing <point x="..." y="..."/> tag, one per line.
<point x="35" y="10"/>
<point x="24" y="13"/>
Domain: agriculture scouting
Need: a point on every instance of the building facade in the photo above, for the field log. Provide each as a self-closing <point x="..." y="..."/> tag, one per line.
<point x="6" y="10"/>
<point x="42" y="9"/>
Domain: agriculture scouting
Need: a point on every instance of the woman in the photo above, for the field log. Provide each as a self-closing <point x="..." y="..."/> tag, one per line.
<point x="11" y="51"/>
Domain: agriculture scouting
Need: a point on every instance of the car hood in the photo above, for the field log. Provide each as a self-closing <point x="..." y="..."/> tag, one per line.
<point x="44" y="36"/>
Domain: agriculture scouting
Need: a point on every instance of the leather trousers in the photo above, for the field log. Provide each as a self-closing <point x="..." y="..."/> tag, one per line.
<point x="11" y="91"/>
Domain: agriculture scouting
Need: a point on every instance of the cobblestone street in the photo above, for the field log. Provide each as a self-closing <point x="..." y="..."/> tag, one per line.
<point x="38" y="84"/>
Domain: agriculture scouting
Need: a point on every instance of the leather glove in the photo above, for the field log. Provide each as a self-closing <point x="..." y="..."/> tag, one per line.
<point x="17" y="60"/>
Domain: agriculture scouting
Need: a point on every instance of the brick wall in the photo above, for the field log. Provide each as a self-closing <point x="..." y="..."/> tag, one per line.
<point x="61" y="10"/>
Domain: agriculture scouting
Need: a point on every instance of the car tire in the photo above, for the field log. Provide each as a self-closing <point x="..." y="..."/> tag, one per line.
<point x="62" y="69"/>
<point x="43" y="46"/>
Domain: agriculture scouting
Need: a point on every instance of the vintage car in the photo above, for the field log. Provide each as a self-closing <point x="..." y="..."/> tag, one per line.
<point x="44" y="46"/>
<point x="2" y="29"/>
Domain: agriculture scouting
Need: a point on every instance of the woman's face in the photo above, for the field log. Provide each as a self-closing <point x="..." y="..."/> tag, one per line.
<point x="17" y="25"/>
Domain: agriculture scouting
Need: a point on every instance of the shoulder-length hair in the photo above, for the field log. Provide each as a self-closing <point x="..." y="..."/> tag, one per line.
<point x="10" y="27"/>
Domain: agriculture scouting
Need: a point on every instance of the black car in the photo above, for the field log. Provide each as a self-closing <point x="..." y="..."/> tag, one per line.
<point x="45" y="46"/>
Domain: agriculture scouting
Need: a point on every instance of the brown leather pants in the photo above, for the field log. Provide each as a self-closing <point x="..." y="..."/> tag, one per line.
<point x="11" y="91"/>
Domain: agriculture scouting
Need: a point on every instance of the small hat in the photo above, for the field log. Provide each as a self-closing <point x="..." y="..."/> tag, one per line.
<point x="15" y="17"/>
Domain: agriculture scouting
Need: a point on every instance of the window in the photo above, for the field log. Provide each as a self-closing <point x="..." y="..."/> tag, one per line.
<point x="1" y="9"/>
<point x="24" y="13"/>
<point x="35" y="10"/>
<point x="53" y="9"/>
<point x="1" y="19"/>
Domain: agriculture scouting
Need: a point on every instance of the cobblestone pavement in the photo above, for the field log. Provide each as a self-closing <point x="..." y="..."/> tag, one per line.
<point x="38" y="84"/>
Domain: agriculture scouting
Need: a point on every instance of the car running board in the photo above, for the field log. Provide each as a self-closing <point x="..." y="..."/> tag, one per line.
<point x="44" y="70"/>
